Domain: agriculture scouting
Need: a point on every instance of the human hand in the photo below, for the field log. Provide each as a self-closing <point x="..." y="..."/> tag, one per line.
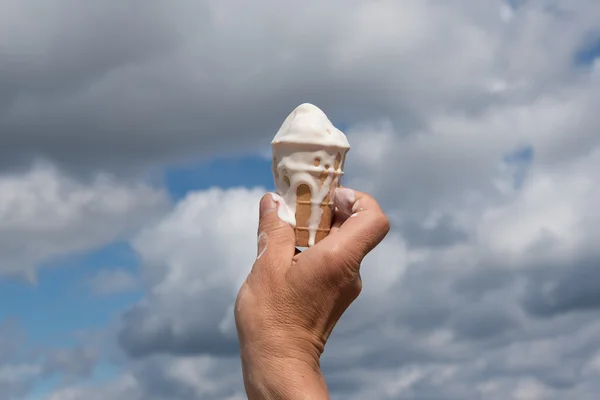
<point x="291" y="300"/>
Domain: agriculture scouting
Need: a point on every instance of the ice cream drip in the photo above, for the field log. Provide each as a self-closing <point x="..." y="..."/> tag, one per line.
<point x="308" y="157"/>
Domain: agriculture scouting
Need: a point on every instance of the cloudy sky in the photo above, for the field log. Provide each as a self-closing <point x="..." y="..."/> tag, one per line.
<point x="134" y="140"/>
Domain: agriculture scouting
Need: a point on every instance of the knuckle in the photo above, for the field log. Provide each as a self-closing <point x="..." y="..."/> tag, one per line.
<point x="341" y="264"/>
<point x="381" y="219"/>
<point x="378" y="230"/>
<point x="339" y="258"/>
<point x="356" y="288"/>
<point x="272" y="225"/>
<point x="332" y="256"/>
<point x="383" y="223"/>
<point x="267" y="224"/>
<point x="264" y="273"/>
<point x="269" y="270"/>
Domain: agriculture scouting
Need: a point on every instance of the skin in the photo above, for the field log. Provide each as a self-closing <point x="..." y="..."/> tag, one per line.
<point x="291" y="301"/>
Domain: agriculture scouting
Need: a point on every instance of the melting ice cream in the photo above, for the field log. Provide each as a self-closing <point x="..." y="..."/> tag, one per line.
<point x="308" y="161"/>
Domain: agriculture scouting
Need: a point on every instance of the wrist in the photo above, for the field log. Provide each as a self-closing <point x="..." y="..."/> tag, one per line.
<point x="282" y="377"/>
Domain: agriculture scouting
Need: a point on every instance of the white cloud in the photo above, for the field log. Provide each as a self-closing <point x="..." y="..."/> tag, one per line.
<point x="46" y="214"/>
<point x="157" y="378"/>
<point x="126" y="387"/>
<point x="194" y="262"/>
<point x="553" y="217"/>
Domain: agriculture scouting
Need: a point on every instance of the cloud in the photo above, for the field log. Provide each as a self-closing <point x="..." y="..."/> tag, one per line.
<point x="174" y="81"/>
<point x="124" y="388"/>
<point x="185" y="378"/>
<point x="46" y="214"/>
<point x="74" y="363"/>
<point x="16" y="379"/>
<point x="194" y="261"/>
<point x="107" y="282"/>
<point x="22" y="366"/>
<point x="485" y="288"/>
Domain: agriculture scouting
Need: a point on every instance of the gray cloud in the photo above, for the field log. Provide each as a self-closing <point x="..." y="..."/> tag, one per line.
<point x="22" y="366"/>
<point x="443" y="233"/>
<point x="199" y="335"/>
<point x="111" y="281"/>
<point x="46" y="214"/>
<point x="18" y="371"/>
<point x="569" y="288"/>
<point x="75" y="363"/>
<point x="127" y="85"/>
<point x="439" y="327"/>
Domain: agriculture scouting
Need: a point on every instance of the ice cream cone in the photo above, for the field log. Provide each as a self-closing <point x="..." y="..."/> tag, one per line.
<point x="308" y="163"/>
<point x="304" y="209"/>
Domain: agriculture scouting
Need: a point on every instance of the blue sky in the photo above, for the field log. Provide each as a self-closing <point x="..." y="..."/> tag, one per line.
<point x="589" y="52"/>
<point x="245" y="171"/>
<point x="60" y="303"/>
<point x="58" y="307"/>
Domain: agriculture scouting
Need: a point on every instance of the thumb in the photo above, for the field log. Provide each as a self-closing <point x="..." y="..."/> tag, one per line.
<point x="276" y="237"/>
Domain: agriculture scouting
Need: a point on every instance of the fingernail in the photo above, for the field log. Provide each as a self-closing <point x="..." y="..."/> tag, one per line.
<point x="267" y="205"/>
<point x="344" y="199"/>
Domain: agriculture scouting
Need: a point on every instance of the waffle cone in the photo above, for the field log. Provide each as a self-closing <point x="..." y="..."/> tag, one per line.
<point x="304" y="209"/>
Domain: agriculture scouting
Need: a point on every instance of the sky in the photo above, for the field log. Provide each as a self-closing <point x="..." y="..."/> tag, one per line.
<point x="134" y="148"/>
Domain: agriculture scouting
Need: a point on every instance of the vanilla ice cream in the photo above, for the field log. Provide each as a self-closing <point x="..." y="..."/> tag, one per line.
<point x="308" y="160"/>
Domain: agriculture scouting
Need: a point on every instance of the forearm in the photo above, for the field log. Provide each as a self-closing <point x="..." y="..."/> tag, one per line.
<point x="283" y="379"/>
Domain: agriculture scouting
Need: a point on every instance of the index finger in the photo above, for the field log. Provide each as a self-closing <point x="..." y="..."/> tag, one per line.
<point x="363" y="229"/>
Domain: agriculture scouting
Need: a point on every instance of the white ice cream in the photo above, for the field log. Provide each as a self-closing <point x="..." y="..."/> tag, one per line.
<point x="307" y="146"/>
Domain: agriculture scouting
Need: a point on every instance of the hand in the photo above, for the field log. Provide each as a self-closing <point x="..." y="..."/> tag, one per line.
<point x="291" y="300"/>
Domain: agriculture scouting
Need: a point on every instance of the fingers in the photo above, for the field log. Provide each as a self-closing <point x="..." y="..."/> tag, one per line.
<point x="276" y="239"/>
<point x="343" y="200"/>
<point x="361" y="225"/>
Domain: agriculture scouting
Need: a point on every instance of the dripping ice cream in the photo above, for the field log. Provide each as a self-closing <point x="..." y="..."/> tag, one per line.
<point x="308" y="162"/>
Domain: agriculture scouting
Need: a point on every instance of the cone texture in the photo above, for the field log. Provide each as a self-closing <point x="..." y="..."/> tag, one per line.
<point x="304" y="209"/>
